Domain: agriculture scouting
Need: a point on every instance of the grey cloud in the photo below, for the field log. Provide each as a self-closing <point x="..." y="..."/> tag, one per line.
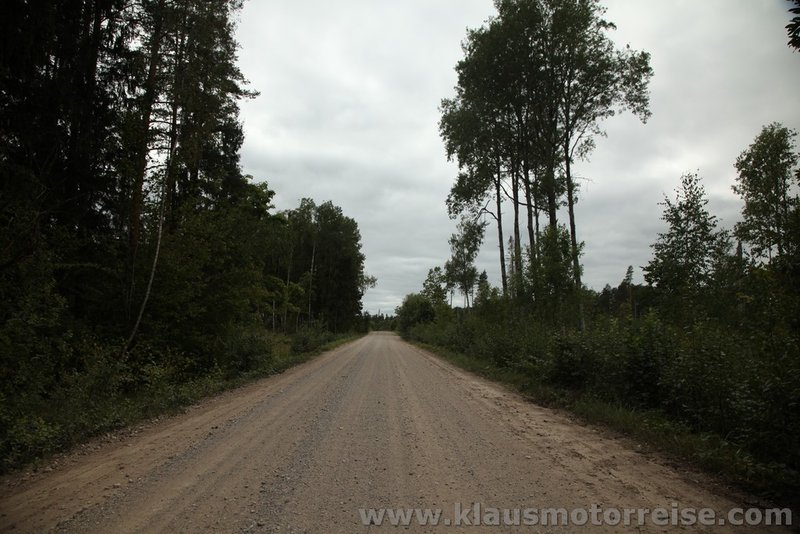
<point x="348" y="112"/>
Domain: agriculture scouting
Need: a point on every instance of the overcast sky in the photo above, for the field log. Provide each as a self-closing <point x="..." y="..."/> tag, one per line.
<point x="348" y="112"/>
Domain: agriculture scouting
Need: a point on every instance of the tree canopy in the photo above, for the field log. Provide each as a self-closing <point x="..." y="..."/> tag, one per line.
<point x="136" y="256"/>
<point x="534" y="86"/>
<point x="768" y="182"/>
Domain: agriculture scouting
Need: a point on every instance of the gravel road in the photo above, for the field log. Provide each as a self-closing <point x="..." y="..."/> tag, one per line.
<point x="375" y="423"/>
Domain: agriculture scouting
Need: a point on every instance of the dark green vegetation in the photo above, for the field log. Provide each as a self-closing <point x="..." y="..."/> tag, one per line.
<point x="703" y="360"/>
<point x="139" y="267"/>
<point x="380" y="322"/>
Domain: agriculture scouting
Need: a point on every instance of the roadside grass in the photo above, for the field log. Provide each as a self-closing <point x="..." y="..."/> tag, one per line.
<point x="77" y="414"/>
<point x="706" y="451"/>
<point x="179" y="396"/>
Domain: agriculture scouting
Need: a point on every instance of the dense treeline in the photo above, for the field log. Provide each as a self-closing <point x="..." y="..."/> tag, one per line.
<point x="709" y="345"/>
<point x="380" y="322"/>
<point x="136" y="258"/>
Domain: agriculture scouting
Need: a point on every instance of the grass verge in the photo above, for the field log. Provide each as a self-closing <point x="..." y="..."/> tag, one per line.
<point x="79" y="415"/>
<point x="706" y="451"/>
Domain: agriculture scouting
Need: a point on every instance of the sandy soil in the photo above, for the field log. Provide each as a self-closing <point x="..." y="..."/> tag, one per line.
<point x="375" y="423"/>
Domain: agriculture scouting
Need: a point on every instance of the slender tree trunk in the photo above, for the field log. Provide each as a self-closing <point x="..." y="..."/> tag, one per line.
<point x="286" y="292"/>
<point x="152" y="271"/>
<point x="576" y="264"/>
<point x="173" y="146"/>
<point x="177" y="100"/>
<point x="500" y="241"/>
<point x="311" y="277"/>
<point x="550" y="172"/>
<point x="535" y="201"/>
<point x="552" y="205"/>
<point x="783" y="216"/>
<point x="517" y="247"/>
<point x="524" y="150"/>
<point x="144" y="128"/>
<point x="512" y="269"/>
<point x="84" y="84"/>
<point x="572" y="235"/>
<point x="529" y="200"/>
<point x="167" y="184"/>
<point x="536" y="259"/>
<point x="140" y="166"/>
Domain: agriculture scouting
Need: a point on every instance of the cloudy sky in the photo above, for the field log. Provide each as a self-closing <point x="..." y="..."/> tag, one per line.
<point x="348" y="112"/>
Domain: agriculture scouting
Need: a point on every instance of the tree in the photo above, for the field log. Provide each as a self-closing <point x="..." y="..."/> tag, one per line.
<point x="793" y="28"/>
<point x="594" y="80"/>
<point x="534" y="85"/>
<point x="685" y="256"/>
<point x="435" y="286"/>
<point x="469" y="131"/>
<point x="552" y="275"/>
<point x="416" y="309"/>
<point x="484" y="293"/>
<point x="325" y="243"/>
<point x="490" y="127"/>
<point x="765" y="174"/>
<point x="125" y="218"/>
<point x="464" y="246"/>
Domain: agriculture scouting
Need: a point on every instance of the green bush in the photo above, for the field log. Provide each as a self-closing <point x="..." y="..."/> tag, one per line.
<point x="310" y="338"/>
<point x="739" y="386"/>
<point x="247" y="349"/>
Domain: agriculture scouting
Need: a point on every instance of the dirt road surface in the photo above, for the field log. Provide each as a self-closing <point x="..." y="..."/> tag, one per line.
<point x="375" y="423"/>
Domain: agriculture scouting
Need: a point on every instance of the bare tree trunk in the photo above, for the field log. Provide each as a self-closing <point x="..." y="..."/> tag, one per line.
<point x="536" y="231"/>
<point x="286" y="291"/>
<point x="550" y="172"/>
<point x="166" y="186"/>
<point x="152" y="271"/>
<point x="517" y="247"/>
<point x="576" y="265"/>
<point x="140" y="169"/>
<point x="552" y="205"/>
<point x="311" y="277"/>
<point x="177" y="100"/>
<point x="530" y="206"/>
<point x="512" y="265"/>
<point x="524" y="151"/>
<point x="501" y="244"/>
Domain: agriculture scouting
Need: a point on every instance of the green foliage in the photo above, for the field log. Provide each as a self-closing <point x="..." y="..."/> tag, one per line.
<point x="381" y="322"/>
<point x="686" y="256"/>
<point x="107" y="392"/>
<point x="705" y="359"/>
<point x="436" y="286"/>
<point x="123" y="198"/>
<point x="708" y="348"/>
<point x="702" y="378"/>
<point x="516" y="135"/>
<point x="415" y="310"/>
<point x="551" y="273"/>
<point x="765" y="175"/>
<point x="310" y="338"/>
<point x="460" y="269"/>
<point x="793" y="28"/>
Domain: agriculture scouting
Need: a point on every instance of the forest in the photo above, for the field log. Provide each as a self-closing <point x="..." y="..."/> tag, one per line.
<point x="140" y="267"/>
<point x="704" y="357"/>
